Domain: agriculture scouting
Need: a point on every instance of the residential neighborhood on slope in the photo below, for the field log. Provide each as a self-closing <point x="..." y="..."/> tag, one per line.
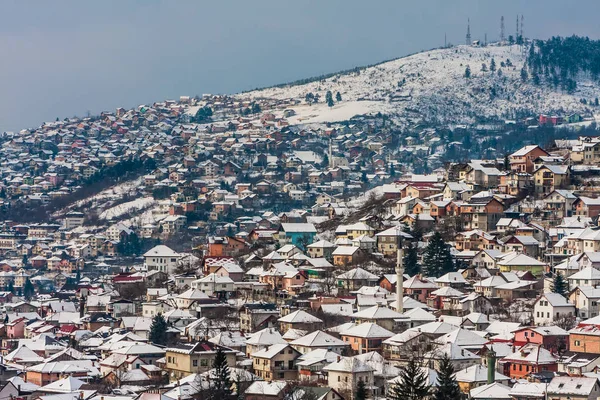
<point x="216" y="247"/>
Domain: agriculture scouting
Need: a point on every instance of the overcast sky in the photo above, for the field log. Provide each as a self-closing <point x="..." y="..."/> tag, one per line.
<point x="62" y="58"/>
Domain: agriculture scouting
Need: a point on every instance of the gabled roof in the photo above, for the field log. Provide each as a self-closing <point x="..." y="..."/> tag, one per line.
<point x="300" y="316"/>
<point x="318" y="339"/>
<point x="368" y="330"/>
<point x="348" y="364"/>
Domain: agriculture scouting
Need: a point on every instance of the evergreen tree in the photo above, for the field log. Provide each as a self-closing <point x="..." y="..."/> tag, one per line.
<point x="25" y="260"/>
<point x="559" y="285"/>
<point x="392" y="170"/>
<point x="483" y="67"/>
<point x="412" y="386"/>
<point x="255" y="108"/>
<point x="221" y="383"/>
<point x="338" y="97"/>
<point x="158" y="330"/>
<point x="468" y="72"/>
<point x="309" y="98"/>
<point x="361" y="391"/>
<point x="203" y="114"/>
<point x="506" y="163"/>
<point x="11" y="287"/>
<point x="28" y="290"/>
<point x="493" y="65"/>
<point x="524" y="74"/>
<point x="437" y="259"/>
<point x="411" y="260"/>
<point x="329" y="98"/>
<point x="447" y="388"/>
<point x="499" y="72"/>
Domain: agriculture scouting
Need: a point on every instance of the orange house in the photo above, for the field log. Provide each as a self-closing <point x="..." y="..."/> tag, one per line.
<point x="522" y="159"/>
<point x="529" y="359"/>
<point x="585" y="339"/>
<point x="224" y="246"/>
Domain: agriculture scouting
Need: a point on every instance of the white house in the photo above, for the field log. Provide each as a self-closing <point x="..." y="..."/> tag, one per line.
<point x="550" y="307"/>
<point x="161" y="258"/>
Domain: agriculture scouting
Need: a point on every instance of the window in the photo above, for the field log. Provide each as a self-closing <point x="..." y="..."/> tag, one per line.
<point x="204" y="362"/>
<point x="195" y="363"/>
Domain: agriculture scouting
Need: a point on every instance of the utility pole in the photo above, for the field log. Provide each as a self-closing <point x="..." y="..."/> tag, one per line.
<point x="445" y="41"/>
<point x="485" y="39"/>
<point x="468" y="38"/>
<point x="502" y="38"/>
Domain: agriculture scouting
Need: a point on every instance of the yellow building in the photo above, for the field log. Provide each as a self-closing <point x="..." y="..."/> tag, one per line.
<point x="547" y="178"/>
<point x="194" y="358"/>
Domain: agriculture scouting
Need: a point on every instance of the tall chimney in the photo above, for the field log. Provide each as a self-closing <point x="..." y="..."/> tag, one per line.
<point x="399" y="277"/>
<point x="491" y="364"/>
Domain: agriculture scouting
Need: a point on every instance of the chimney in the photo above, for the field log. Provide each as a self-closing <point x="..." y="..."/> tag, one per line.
<point x="491" y="364"/>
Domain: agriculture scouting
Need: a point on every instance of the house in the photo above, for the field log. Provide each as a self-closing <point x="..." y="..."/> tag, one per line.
<point x="185" y="359"/>
<point x="344" y="375"/>
<point x="529" y="359"/>
<point x="573" y="388"/>
<point x="550" y="307"/>
<point x="388" y="240"/>
<point x="550" y="337"/>
<point x="548" y="178"/>
<point x="366" y="337"/>
<point x="298" y="234"/>
<point x="266" y="390"/>
<point x="587" y="206"/>
<point x="522" y="160"/>
<point x="299" y="320"/>
<point x="161" y="258"/>
<point x="320" y="340"/>
<point x="321" y="249"/>
<point x="346" y="255"/>
<point x="355" y="279"/>
<point x="276" y="362"/>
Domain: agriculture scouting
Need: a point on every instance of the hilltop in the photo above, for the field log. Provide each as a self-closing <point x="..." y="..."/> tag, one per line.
<point x="431" y="87"/>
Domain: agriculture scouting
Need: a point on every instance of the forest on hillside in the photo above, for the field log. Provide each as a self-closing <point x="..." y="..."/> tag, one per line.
<point x="558" y="61"/>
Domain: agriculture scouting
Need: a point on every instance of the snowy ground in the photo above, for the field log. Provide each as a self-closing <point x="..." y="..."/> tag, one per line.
<point x="431" y="86"/>
<point x="129" y="207"/>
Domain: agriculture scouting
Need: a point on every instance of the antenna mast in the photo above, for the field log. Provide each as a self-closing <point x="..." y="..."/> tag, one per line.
<point x="502" y="38"/>
<point x="468" y="38"/>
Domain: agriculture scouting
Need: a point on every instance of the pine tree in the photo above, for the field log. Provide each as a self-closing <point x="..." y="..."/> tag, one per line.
<point x="411" y="260"/>
<point x="329" y="98"/>
<point x="338" y="97"/>
<point x="559" y="285"/>
<point x="361" y="391"/>
<point x="437" y="259"/>
<point x="524" y="74"/>
<point x="11" y="287"/>
<point x="447" y="388"/>
<point x="493" y="65"/>
<point x="392" y="170"/>
<point x="158" y="330"/>
<point x="28" y="290"/>
<point x="412" y="386"/>
<point x="506" y="163"/>
<point x="221" y="383"/>
<point x="468" y="72"/>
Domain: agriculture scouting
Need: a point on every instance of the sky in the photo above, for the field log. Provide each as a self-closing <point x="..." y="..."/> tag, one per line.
<point x="63" y="58"/>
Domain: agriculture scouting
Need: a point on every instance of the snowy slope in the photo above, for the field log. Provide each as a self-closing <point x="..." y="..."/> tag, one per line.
<point x="431" y="86"/>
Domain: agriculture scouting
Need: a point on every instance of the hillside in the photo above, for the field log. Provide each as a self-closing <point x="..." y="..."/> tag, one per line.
<point x="431" y="87"/>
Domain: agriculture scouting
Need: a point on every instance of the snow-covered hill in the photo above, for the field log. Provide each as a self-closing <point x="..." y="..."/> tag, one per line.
<point x="431" y="86"/>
